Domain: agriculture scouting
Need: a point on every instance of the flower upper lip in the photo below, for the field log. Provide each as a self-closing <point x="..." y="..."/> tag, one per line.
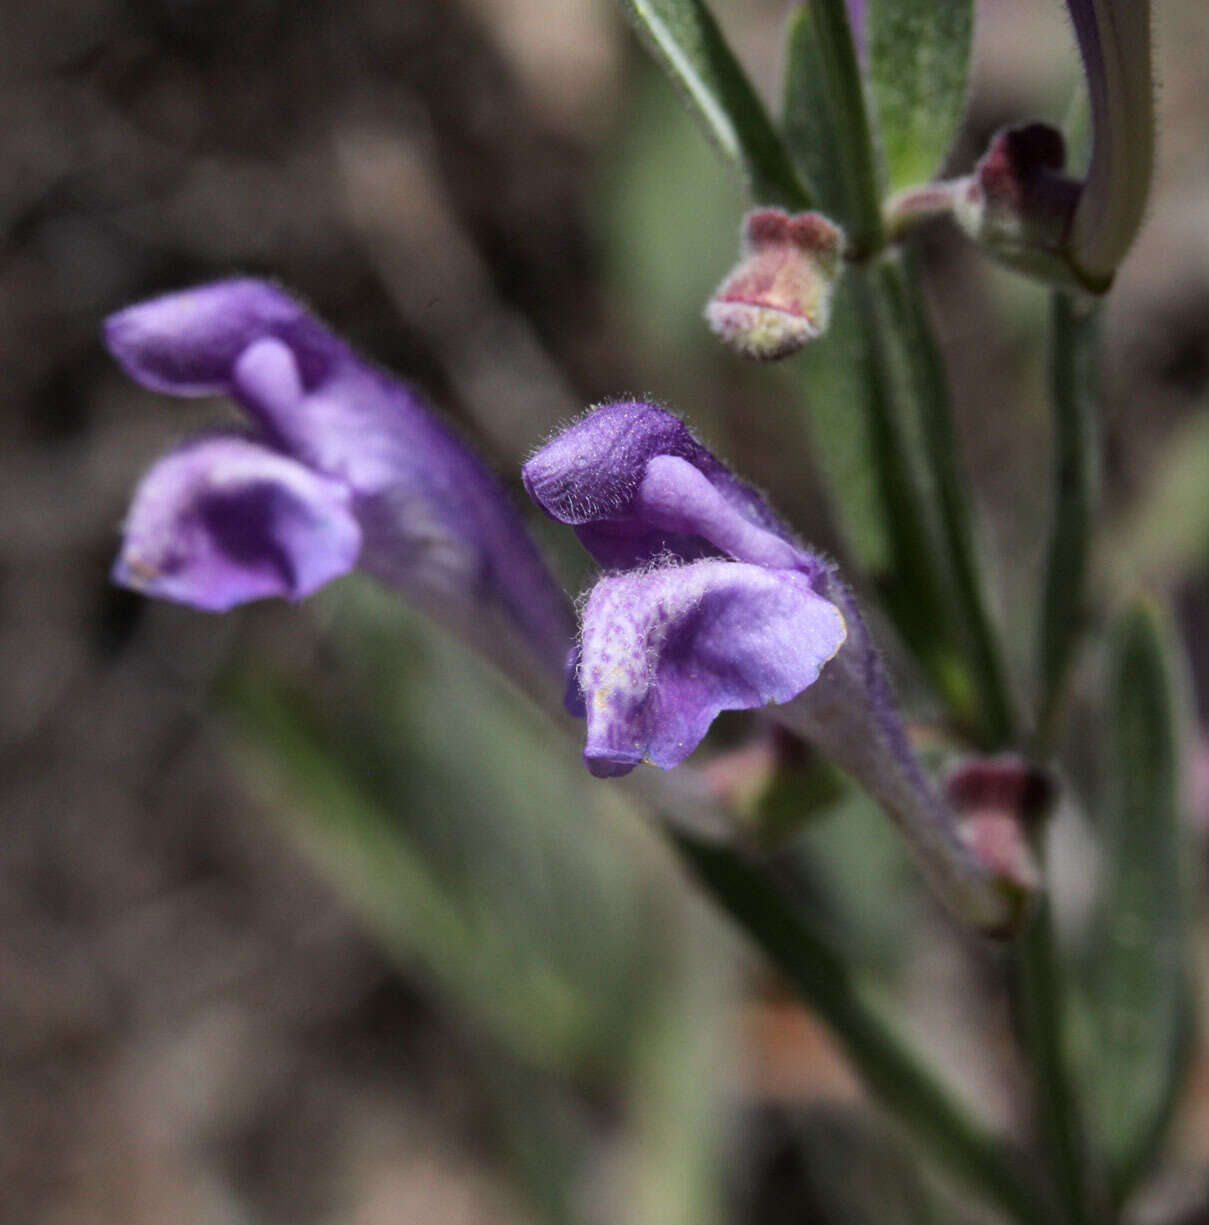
<point x="636" y="485"/>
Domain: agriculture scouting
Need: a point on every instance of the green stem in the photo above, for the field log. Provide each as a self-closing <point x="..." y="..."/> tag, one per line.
<point x="901" y="280"/>
<point x="1063" y="612"/>
<point x="853" y="131"/>
<point x="893" y="1072"/>
<point x="1039" y="982"/>
<point x="918" y="593"/>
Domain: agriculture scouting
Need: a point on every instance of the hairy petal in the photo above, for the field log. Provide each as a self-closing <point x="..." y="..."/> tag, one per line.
<point x="187" y="343"/>
<point x="663" y="652"/>
<point x="636" y="484"/>
<point x="223" y="520"/>
<point x="778" y="296"/>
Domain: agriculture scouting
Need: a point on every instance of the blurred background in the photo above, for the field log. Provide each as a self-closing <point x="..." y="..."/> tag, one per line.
<point x="304" y="917"/>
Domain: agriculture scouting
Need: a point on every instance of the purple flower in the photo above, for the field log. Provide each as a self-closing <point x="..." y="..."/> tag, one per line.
<point x="340" y="466"/>
<point x="716" y="606"/>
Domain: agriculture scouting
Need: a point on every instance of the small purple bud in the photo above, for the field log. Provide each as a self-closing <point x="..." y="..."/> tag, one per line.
<point x="778" y="297"/>
<point x="1023" y="207"/>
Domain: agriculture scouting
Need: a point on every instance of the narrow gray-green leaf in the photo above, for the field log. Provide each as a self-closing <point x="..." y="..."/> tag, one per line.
<point x="827" y="122"/>
<point x="808" y="122"/>
<point x="919" y="56"/>
<point x="917" y="589"/>
<point x="1043" y="1009"/>
<point x="905" y="1086"/>
<point x="1075" y="467"/>
<point x="405" y="901"/>
<point x="686" y="41"/>
<point x="835" y="377"/>
<point x="1141" y="994"/>
<point x="472" y="874"/>
<point x="928" y="381"/>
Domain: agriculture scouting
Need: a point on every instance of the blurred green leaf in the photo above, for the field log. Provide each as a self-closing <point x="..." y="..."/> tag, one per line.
<point x="685" y="39"/>
<point x="1166" y="533"/>
<point x="1141" y="992"/>
<point x="810" y="127"/>
<point x="827" y="123"/>
<point x="661" y="271"/>
<point x="859" y="1173"/>
<point x="674" y="1175"/>
<point x="1073" y="330"/>
<point x="919" y="56"/>
<point x="427" y="792"/>
<point x="869" y="893"/>
<point x="360" y="847"/>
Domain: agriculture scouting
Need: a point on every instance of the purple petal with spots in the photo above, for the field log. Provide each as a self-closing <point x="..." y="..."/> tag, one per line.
<point x="637" y="485"/>
<point x="664" y="651"/>
<point x="224" y="519"/>
<point x="435" y="522"/>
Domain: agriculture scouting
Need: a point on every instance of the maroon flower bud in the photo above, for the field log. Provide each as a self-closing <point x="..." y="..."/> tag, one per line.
<point x="999" y="803"/>
<point x="1019" y="203"/>
<point x="778" y="297"/>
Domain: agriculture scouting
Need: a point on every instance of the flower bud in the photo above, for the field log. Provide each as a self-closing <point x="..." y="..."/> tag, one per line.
<point x="999" y="803"/>
<point x="778" y="296"/>
<point x="1019" y="204"/>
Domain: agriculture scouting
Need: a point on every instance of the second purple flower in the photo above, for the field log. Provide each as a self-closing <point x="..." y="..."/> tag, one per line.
<point x="712" y="604"/>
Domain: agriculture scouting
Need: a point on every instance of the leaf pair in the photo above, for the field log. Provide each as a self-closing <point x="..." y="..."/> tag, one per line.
<point x="916" y="62"/>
